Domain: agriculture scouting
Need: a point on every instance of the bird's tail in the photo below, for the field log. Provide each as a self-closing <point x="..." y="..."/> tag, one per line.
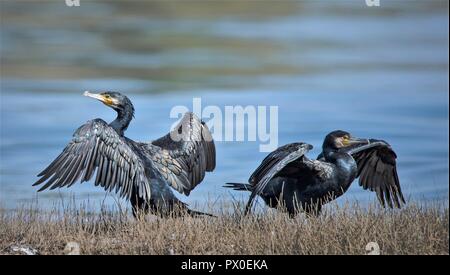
<point x="194" y="213"/>
<point x="239" y="186"/>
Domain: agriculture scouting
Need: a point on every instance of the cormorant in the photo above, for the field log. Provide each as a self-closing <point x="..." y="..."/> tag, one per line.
<point x="288" y="178"/>
<point x="142" y="172"/>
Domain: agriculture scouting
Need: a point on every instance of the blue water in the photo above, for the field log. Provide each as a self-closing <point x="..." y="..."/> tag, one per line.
<point x="375" y="73"/>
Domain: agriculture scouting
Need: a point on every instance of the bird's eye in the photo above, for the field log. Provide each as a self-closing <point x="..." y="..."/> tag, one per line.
<point x="107" y="96"/>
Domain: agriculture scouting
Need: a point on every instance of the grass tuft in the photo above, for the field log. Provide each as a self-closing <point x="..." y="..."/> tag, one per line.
<point x="346" y="229"/>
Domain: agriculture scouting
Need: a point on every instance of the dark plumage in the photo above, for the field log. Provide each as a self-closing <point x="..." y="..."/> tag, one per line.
<point x="288" y="177"/>
<point x="139" y="171"/>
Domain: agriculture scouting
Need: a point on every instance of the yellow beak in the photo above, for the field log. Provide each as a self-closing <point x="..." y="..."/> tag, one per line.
<point x="100" y="97"/>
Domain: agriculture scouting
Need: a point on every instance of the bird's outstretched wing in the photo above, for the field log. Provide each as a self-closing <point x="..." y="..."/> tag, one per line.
<point x="272" y="165"/>
<point x="97" y="146"/>
<point x="377" y="172"/>
<point x="184" y="155"/>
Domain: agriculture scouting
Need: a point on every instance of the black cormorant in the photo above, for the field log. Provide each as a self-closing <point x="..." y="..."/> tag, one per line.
<point x="142" y="172"/>
<point x="288" y="178"/>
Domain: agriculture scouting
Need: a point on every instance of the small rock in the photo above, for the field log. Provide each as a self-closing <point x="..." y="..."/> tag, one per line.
<point x="170" y="251"/>
<point x="72" y="248"/>
<point x="23" y="249"/>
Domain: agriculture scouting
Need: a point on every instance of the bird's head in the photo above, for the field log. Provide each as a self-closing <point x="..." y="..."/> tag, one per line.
<point x="338" y="140"/>
<point x="115" y="100"/>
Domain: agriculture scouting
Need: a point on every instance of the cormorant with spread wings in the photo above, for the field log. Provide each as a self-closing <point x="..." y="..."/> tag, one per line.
<point x="142" y="172"/>
<point x="288" y="178"/>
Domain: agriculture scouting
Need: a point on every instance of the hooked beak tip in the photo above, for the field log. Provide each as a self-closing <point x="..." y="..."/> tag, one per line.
<point x="92" y="95"/>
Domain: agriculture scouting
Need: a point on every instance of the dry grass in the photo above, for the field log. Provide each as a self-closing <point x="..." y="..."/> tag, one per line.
<point x="342" y="230"/>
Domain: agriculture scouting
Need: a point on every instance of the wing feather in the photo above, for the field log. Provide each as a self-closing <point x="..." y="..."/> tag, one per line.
<point x="96" y="147"/>
<point x="272" y="159"/>
<point x="272" y="165"/>
<point x="184" y="155"/>
<point x="377" y="172"/>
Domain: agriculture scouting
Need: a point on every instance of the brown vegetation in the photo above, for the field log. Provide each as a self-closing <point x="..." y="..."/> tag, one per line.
<point x="339" y="230"/>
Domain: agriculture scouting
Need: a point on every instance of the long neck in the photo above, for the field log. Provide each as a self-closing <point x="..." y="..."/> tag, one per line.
<point x="124" y="117"/>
